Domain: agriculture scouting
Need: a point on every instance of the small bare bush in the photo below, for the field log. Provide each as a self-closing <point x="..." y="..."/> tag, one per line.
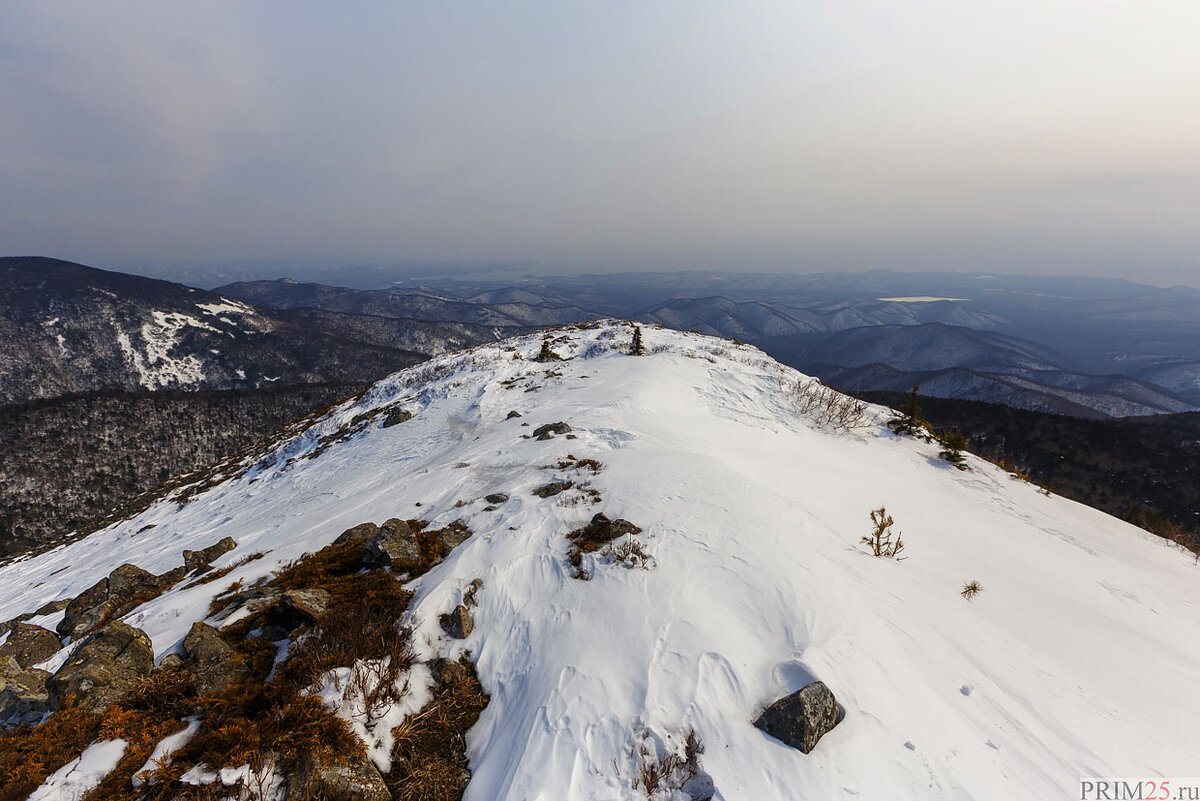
<point x="630" y="553"/>
<point x="662" y="770"/>
<point x="828" y="407"/>
<point x="880" y="540"/>
<point x="970" y="590"/>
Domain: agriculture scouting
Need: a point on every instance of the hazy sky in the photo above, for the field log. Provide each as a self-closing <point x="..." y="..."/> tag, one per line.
<point x="1025" y="136"/>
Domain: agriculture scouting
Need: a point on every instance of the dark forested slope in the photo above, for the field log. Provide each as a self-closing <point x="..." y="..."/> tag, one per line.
<point x="65" y="462"/>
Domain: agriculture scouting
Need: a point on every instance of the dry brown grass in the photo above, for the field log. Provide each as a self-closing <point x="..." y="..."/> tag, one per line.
<point x="29" y="754"/>
<point x="260" y="722"/>
<point x="429" y="757"/>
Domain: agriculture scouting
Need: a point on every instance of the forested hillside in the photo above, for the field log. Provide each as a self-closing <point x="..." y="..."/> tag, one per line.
<point x="69" y="460"/>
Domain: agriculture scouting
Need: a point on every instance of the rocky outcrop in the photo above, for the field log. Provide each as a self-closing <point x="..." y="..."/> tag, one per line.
<point x="802" y="718"/>
<point x="201" y="559"/>
<point x="28" y="645"/>
<point x="395" y="546"/>
<point x="103" y="668"/>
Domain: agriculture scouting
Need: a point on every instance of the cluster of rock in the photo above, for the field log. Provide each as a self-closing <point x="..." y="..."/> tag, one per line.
<point x="108" y="656"/>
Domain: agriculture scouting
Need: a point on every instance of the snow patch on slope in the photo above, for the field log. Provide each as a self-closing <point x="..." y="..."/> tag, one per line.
<point x="156" y="368"/>
<point x="73" y="780"/>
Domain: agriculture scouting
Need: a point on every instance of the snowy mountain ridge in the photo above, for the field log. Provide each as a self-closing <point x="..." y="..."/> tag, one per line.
<point x="1078" y="658"/>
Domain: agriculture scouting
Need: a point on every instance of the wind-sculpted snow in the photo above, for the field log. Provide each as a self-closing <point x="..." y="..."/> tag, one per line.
<point x="1079" y="657"/>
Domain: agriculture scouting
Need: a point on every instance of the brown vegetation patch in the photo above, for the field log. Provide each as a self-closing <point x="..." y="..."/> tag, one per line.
<point x="429" y="758"/>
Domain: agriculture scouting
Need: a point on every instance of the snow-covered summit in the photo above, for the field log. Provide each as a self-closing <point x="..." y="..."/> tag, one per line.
<point x="1080" y="656"/>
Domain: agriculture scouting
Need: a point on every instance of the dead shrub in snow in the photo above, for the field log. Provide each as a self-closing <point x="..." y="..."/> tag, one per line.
<point x="662" y="768"/>
<point x="630" y="553"/>
<point x="880" y="540"/>
<point x="828" y="407"/>
<point x="970" y="590"/>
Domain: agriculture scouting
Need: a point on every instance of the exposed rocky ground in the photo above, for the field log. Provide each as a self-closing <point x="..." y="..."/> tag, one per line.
<point x="259" y="684"/>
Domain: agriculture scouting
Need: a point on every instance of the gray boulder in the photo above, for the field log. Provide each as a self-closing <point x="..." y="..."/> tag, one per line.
<point x="394" y="546"/>
<point x="802" y="718"/>
<point x="358" y="780"/>
<point x="201" y="559"/>
<point x="28" y="645"/>
<point x="550" y="429"/>
<point x="360" y="533"/>
<point x="496" y="497"/>
<point x="23" y="696"/>
<point x="454" y="534"/>
<point x="458" y="624"/>
<point x="395" y="417"/>
<point x="211" y="660"/>
<point x="120" y="592"/>
<point x="552" y="489"/>
<point x="103" y="668"/>
<point x="299" y="607"/>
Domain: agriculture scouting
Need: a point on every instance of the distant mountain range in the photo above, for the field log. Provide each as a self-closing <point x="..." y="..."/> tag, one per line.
<point x="1085" y="347"/>
<point x="66" y="328"/>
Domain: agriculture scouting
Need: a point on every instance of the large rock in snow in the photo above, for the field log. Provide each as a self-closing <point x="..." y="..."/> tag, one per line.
<point x="103" y="668"/>
<point x="201" y="559"/>
<point x="394" y="546"/>
<point x="123" y="589"/>
<point x="802" y="718"/>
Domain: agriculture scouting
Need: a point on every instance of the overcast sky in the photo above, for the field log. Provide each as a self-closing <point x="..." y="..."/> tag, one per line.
<point x="1033" y="136"/>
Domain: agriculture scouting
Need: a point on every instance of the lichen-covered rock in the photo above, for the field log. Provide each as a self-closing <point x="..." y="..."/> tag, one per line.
<point x="310" y="604"/>
<point x="195" y="560"/>
<point x="552" y="489"/>
<point x="496" y="497"/>
<point x="550" y="429"/>
<point x="395" y="417"/>
<point x="103" y="668"/>
<point x="23" y="696"/>
<point x="394" y="546"/>
<point x="211" y="660"/>
<point x="120" y="592"/>
<point x="454" y="534"/>
<point x="601" y="530"/>
<point x="360" y="533"/>
<point x="802" y="718"/>
<point x="458" y="624"/>
<point x="28" y="645"/>
<point x="358" y="780"/>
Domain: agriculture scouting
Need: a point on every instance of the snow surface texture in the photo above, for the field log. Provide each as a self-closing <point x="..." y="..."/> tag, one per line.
<point x="73" y="780"/>
<point x="1080" y="657"/>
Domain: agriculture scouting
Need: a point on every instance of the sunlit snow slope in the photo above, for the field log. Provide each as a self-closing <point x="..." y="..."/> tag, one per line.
<point x="1080" y="657"/>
